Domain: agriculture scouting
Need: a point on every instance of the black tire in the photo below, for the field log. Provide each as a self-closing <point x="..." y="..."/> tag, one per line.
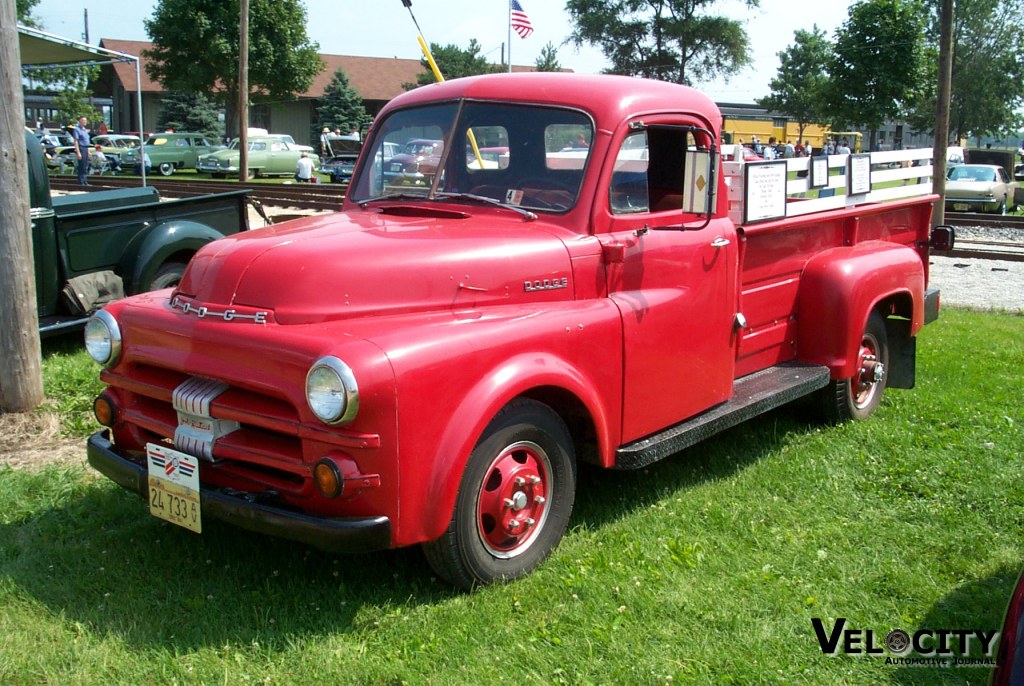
<point x="858" y="397"/>
<point x="167" y="276"/>
<point x="514" y="499"/>
<point x="166" y="168"/>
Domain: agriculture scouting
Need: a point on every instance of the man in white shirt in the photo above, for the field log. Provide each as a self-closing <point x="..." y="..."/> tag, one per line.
<point x="304" y="169"/>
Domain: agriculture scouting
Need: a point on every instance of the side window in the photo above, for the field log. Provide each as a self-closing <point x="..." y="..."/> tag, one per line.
<point x="181" y="143"/>
<point x="628" y="193"/>
<point x="662" y="169"/>
<point x="491" y="151"/>
<point x="567" y="145"/>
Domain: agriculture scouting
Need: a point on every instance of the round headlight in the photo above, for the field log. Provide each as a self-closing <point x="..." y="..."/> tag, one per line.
<point x="103" y="338"/>
<point x="331" y="391"/>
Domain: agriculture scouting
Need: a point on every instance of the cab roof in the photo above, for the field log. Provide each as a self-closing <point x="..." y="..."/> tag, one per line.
<point x="609" y="99"/>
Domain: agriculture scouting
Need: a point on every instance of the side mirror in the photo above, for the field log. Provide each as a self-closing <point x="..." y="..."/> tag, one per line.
<point x="942" y="238"/>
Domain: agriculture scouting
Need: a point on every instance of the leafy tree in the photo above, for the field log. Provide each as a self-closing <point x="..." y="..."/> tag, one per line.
<point x="72" y="96"/>
<point x="988" y="70"/>
<point x="190" y="112"/>
<point x="340" y="107"/>
<point x="671" y="40"/>
<point x="454" y="63"/>
<point x="799" y="87"/>
<point x="195" y="50"/>
<point x="24" y="12"/>
<point x="876" y="62"/>
<point x="548" y="59"/>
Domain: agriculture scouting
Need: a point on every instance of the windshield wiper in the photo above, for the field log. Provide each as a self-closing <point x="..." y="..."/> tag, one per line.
<point x="393" y="196"/>
<point x="472" y="197"/>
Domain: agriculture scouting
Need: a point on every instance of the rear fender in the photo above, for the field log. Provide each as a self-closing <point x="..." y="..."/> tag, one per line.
<point x="175" y="237"/>
<point x="839" y="288"/>
<point x="476" y="409"/>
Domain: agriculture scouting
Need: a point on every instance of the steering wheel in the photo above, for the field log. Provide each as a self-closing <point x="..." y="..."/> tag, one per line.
<point x="537" y="186"/>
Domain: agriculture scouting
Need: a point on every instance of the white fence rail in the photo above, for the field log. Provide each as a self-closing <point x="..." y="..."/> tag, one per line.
<point x="756" y="189"/>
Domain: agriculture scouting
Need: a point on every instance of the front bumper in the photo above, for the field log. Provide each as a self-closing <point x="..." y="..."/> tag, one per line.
<point x="972" y="204"/>
<point x="216" y="168"/>
<point x="348" y="535"/>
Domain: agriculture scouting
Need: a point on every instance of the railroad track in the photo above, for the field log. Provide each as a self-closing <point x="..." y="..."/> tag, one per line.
<point x="312" y="196"/>
<point x="988" y="221"/>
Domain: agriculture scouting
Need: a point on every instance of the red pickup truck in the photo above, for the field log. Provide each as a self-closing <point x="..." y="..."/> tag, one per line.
<point x="430" y="364"/>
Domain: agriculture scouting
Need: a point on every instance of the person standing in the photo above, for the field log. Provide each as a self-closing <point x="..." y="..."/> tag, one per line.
<point x="80" y="135"/>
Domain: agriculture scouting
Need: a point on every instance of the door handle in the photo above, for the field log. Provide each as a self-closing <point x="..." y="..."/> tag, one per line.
<point x="720" y="242"/>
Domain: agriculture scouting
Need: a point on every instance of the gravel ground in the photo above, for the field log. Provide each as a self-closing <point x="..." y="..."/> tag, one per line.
<point x="981" y="284"/>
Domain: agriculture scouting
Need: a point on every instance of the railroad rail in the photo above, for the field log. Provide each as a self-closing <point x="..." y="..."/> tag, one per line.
<point x="988" y="221"/>
<point x="312" y="196"/>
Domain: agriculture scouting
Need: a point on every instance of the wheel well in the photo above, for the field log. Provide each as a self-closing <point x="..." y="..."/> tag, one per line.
<point x="182" y="256"/>
<point x="575" y="415"/>
<point x="898" y="305"/>
<point x="898" y="310"/>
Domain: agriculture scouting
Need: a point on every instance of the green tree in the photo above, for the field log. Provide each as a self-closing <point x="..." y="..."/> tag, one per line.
<point x="72" y="96"/>
<point x="454" y="63"/>
<point x="671" y="40"/>
<point x="548" y="59"/>
<point x="190" y="112"/>
<point x="988" y="70"/>
<point x="340" y="107"/>
<point x="195" y="50"/>
<point x="24" y="12"/>
<point x="877" y="63"/>
<point x="799" y="87"/>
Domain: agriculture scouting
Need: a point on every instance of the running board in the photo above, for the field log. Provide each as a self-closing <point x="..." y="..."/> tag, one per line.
<point x="753" y="394"/>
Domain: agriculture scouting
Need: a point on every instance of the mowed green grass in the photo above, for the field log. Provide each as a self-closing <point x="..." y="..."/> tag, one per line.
<point x="706" y="568"/>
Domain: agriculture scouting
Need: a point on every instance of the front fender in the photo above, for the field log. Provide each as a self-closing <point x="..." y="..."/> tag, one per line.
<point x="483" y="401"/>
<point x="840" y="287"/>
<point x="158" y="244"/>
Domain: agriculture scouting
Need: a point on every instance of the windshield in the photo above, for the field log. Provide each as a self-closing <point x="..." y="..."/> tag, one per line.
<point x="971" y="173"/>
<point x="530" y="157"/>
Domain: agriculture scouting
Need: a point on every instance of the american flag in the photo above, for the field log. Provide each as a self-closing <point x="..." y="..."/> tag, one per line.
<point x="520" y="22"/>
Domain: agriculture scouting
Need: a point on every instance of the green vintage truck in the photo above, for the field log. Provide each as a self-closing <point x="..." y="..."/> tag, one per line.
<point x="96" y="247"/>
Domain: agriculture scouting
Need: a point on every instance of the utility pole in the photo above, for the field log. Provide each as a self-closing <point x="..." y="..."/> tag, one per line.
<point x="21" y="377"/>
<point x="243" y="91"/>
<point x="942" y="110"/>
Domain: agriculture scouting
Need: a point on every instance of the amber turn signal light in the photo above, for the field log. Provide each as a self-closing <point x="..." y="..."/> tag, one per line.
<point x="328" y="478"/>
<point x="104" y="410"/>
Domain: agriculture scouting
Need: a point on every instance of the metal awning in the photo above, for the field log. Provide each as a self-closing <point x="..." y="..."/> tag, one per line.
<point x="42" y="50"/>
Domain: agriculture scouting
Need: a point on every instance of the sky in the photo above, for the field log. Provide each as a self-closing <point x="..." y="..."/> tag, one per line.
<point x="383" y="28"/>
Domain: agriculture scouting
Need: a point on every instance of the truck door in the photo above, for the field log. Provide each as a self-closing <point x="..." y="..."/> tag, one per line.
<point x="672" y="274"/>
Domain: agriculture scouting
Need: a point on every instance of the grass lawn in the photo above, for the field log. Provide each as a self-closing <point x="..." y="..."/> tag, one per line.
<point x="706" y="568"/>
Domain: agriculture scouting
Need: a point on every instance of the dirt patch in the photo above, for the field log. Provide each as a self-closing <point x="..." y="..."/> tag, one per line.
<point x="32" y="440"/>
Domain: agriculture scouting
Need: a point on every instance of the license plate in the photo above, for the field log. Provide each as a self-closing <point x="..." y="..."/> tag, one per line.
<point x="174" y="486"/>
<point x="961" y="206"/>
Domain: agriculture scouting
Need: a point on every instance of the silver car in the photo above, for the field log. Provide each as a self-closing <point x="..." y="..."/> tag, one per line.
<point x="979" y="188"/>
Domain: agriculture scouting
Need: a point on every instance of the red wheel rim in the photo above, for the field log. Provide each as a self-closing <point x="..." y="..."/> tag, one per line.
<point x="512" y="505"/>
<point x="870" y="372"/>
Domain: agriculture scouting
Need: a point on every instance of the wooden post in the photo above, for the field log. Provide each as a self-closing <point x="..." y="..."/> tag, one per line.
<point x="21" y="377"/>
<point x="942" y="110"/>
<point x="243" y="91"/>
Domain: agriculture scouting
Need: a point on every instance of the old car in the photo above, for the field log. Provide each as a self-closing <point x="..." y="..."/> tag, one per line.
<point x="979" y="188"/>
<point x="416" y="163"/>
<point x="120" y="147"/>
<point x="169" y="151"/>
<point x="268" y="156"/>
<point x="343" y="151"/>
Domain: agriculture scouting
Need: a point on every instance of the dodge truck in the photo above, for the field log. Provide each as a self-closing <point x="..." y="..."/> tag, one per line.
<point x="95" y="247"/>
<point x="431" y="364"/>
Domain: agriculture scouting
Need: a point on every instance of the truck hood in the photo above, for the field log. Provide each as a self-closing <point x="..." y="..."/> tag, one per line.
<point x="355" y="264"/>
